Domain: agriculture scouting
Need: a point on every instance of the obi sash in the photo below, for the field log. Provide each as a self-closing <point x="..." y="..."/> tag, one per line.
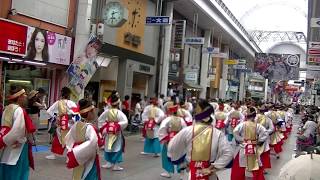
<point x="80" y="137"/>
<point x="274" y="137"/>
<point x="201" y="152"/>
<point x="220" y="117"/>
<point x="63" y="120"/>
<point x="151" y="123"/>
<point x="112" y="127"/>
<point x="250" y="142"/>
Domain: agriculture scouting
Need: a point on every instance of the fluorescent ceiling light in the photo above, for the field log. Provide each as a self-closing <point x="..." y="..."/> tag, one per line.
<point x="19" y="81"/>
<point x="17" y="60"/>
<point x="4" y="58"/>
<point x="35" y="63"/>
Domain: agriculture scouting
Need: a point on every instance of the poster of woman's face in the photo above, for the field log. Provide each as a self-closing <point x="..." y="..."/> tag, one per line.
<point x="37" y="48"/>
<point x="48" y="46"/>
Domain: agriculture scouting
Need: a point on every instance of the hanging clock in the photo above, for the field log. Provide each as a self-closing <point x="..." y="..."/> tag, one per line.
<point x="114" y="14"/>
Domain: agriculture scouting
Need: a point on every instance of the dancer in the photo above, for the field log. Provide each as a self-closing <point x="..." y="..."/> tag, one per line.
<point x="205" y="148"/>
<point x="82" y="145"/>
<point x="220" y="116"/>
<point x="152" y="117"/>
<point x="61" y="111"/>
<point x="111" y="123"/>
<point x="234" y="118"/>
<point x="15" y="148"/>
<point x="168" y="129"/>
<point x="264" y="150"/>
<point x="184" y="113"/>
<point x="275" y="137"/>
<point x="250" y="137"/>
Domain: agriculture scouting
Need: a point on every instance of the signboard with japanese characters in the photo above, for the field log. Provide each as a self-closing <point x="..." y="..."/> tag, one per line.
<point x="194" y="40"/>
<point x="179" y="34"/>
<point x="13" y="38"/>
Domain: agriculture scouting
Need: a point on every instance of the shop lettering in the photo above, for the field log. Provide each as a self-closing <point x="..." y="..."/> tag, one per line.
<point x="132" y="39"/>
<point x="14" y="45"/>
<point x="144" y="68"/>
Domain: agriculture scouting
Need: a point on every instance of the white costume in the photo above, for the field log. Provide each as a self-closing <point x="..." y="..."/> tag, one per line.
<point x="157" y="114"/>
<point x="17" y="134"/>
<point x="85" y="152"/>
<point x="239" y="133"/>
<point x="186" y="115"/>
<point x="115" y="116"/>
<point x="220" y="155"/>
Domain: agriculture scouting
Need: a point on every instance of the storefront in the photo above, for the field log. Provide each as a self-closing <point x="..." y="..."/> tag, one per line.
<point x="33" y="58"/>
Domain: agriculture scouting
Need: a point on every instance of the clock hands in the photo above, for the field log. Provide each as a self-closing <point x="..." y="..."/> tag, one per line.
<point x="134" y="13"/>
<point x="112" y="16"/>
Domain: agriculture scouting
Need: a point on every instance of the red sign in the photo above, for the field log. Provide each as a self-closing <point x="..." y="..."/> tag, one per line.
<point x="314" y="51"/>
<point x="13" y="38"/>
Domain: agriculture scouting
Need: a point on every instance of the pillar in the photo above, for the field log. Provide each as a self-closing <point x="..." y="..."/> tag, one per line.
<point x="164" y="66"/>
<point x="224" y="78"/>
<point x="204" y="65"/>
<point x="242" y="86"/>
<point x="82" y="26"/>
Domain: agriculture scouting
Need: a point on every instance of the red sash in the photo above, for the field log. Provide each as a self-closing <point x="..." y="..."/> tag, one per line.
<point x="220" y="124"/>
<point x="63" y="122"/>
<point x="113" y="127"/>
<point x="196" y="170"/>
<point x="250" y="147"/>
<point x="234" y="122"/>
<point x="150" y="124"/>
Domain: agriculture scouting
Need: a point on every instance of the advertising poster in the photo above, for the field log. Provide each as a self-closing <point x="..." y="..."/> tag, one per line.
<point x="13" y="38"/>
<point x="48" y="46"/>
<point x="278" y="66"/>
<point x="83" y="67"/>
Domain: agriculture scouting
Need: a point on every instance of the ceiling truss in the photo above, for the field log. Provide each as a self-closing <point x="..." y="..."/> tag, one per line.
<point x="260" y="36"/>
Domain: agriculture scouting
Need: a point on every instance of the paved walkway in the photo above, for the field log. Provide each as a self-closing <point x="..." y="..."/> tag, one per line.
<point x="137" y="167"/>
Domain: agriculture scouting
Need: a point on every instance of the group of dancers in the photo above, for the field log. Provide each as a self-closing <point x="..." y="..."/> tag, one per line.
<point x="193" y="141"/>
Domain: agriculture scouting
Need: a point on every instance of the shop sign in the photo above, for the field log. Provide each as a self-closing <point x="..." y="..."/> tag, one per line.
<point x="194" y="40"/>
<point x="239" y="66"/>
<point x="242" y="61"/>
<point x="144" y="68"/>
<point x="191" y="76"/>
<point x="314" y="45"/>
<point x="255" y="88"/>
<point x="157" y="20"/>
<point x="220" y="55"/>
<point x="179" y="34"/>
<point x="231" y="62"/>
<point x="13" y="38"/>
<point x="315" y="22"/>
<point x="211" y="50"/>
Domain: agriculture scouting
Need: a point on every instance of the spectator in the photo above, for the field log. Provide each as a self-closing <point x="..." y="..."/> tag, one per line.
<point x="161" y="101"/>
<point x="126" y="106"/>
<point x="144" y="102"/>
<point x="138" y="109"/>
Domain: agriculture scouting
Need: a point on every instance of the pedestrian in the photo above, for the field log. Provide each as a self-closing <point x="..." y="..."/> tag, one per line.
<point x="138" y="110"/>
<point x="126" y="106"/>
<point x="169" y="127"/>
<point x="204" y="148"/>
<point x="161" y="101"/>
<point x="152" y="117"/>
<point x="34" y="106"/>
<point x="112" y="122"/>
<point x="82" y="144"/>
<point x="15" y="148"/>
<point x="61" y="111"/>
<point x="250" y="136"/>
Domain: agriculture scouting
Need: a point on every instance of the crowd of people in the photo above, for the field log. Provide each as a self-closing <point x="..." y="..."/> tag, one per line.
<point x="195" y="138"/>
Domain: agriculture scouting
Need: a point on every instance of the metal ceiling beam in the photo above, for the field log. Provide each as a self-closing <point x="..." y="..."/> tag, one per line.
<point x="277" y="36"/>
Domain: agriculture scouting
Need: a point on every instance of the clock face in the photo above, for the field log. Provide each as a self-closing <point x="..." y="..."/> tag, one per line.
<point x="114" y="14"/>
